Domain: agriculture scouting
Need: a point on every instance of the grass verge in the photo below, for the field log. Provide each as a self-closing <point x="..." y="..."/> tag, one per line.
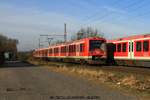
<point x="137" y="84"/>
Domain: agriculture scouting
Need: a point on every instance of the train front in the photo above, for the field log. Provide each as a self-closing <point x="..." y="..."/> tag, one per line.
<point x="97" y="50"/>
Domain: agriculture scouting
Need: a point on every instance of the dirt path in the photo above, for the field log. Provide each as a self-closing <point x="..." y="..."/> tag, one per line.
<point x="20" y="81"/>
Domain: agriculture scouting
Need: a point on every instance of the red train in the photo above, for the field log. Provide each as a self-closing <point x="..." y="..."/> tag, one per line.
<point x="87" y="50"/>
<point x="131" y="51"/>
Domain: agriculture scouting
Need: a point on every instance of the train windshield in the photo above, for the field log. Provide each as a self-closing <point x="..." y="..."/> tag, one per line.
<point x="95" y="44"/>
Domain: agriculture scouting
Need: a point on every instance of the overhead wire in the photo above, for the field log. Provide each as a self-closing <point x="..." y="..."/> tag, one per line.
<point x="97" y="13"/>
<point x="134" y="11"/>
<point x="103" y="18"/>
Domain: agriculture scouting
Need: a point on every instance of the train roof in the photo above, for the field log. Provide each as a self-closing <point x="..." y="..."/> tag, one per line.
<point x="40" y="49"/>
<point x="131" y="37"/>
<point x="70" y="42"/>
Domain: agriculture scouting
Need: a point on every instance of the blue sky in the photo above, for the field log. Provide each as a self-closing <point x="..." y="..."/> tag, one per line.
<point x="27" y="19"/>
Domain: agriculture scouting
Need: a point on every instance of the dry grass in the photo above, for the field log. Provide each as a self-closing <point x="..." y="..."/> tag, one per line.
<point x="125" y="80"/>
<point x="116" y="78"/>
<point x="129" y="81"/>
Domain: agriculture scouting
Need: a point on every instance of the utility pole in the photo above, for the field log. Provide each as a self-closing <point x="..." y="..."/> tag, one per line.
<point x="39" y="43"/>
<point x="65" y="32"/>
<point x="49" y="37"/>
<point x="49" y="40"/>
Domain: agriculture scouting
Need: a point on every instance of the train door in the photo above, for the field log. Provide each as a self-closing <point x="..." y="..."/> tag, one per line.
<point x="78" y="49"/>
<point x="131" y="49"/>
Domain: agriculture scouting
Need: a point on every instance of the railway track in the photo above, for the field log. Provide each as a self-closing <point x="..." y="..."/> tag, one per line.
<point x="122" y="69"/>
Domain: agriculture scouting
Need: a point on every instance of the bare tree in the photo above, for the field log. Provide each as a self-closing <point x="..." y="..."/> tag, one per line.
<point x="8" y="44"/>
<point x="86" y="32"/>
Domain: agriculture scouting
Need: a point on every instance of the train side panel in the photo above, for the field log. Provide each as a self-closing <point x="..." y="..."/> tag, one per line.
<point x="132" y="51"/>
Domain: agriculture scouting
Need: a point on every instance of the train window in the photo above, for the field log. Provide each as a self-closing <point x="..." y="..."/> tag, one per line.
<point x="70" y="48"/>
<point x="74" y="48"/>
<point x="42" y="52"/>
<point x="138" y="46"/>
<point x="82" y="47"/>
<point x="129" y="47"/>
<point x="146" y="45"/>
<point x="56" y="50"/>
<point x="119" y="47"/>
<point x="94" y="44"/>
<point x="77" y="48"/>
<point x="46" y="52"/>
<point x="114" y="47"/>
<point x="63" y="49"/>
<point x="124" y="47"/>
<point x="132" y="46"/>
<point x="50" y="51"/>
